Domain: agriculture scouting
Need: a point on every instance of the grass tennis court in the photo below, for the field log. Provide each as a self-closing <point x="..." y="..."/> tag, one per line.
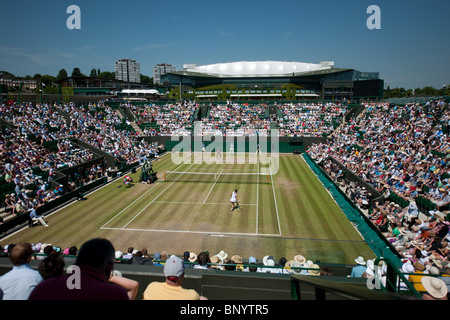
<point x="283" y="214"/>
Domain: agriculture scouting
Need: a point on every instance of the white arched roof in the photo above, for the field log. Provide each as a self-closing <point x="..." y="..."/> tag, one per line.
<point x="140" y="91"/>
<point x="259" y="68"/>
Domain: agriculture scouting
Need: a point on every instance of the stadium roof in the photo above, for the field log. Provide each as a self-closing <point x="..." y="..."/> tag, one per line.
<point x="256" y="68"/>
<point x="140" y="91"/>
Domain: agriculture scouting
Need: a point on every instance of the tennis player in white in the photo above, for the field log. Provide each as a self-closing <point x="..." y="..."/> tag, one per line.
<point x="234" y="200"/>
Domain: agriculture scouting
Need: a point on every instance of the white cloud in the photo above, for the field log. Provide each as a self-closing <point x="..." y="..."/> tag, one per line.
<point x="226" y="33"/>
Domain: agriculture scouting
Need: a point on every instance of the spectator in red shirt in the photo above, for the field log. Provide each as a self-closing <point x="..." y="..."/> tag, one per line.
<point x="92" y="278"/>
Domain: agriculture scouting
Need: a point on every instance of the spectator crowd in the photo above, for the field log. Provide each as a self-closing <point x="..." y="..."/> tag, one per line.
<point x="309" y="119"/>
<point x="234" y="119"/>
<point x="22" y="281"/>
<point x="401" y="151"/>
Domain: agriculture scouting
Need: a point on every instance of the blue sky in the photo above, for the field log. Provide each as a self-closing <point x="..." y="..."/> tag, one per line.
<point x="410" y="50"/>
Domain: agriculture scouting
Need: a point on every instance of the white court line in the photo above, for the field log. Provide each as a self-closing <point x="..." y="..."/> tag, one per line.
<point x="257" y="198"/>
<point x="102" y="227"/>
<point x="215" y="203"/>
<point x="212" y="186"/>
<point x="275" y="199"/>
<point x="156" y="197"/>
<point x="197" y="232"/>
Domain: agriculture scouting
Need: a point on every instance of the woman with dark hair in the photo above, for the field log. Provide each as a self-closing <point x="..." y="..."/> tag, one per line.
<point x="52" y="265"/>
<point x="202" y="261"/>
<point x="91" y="277"/>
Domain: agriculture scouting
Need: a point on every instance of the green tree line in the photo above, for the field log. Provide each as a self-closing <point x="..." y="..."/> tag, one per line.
<point x="48" y="80"/>
<point x="418" y="92"/>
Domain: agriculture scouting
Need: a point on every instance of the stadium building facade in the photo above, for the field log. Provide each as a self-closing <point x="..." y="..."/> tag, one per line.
<point x="273" y="80"/>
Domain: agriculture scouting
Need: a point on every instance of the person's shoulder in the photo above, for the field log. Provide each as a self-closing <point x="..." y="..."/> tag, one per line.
<point x="49" y="288"/>
<point x="25" y="271"/>
<point x="151" y="287"/>
<point x="156" y="284"/>
<point x="191" y="294"/>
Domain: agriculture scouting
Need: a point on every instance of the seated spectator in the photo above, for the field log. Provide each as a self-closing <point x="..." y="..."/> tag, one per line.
<point x="416" y="278"/>
<point x="395" y="232"/>
<point x="237" y="259"/>
<point x="190" y="258"/>
<point x="444" y="202"/>
<point x="382" y="223"/>
<point x="359" y="269"/>
<point x="129" y="253"/>
<point x="326" y="271"/>
<point x="269" y="263"/>
<point x="230" y="265"/>
<point x="52" y="266"/>
<point x="164" y="257"/>
<point x="435" y="289"/>
<point x="202" y="261"/>
<point x="18" y="283"/>
<point x="35" y="218"/>
<point x="10" y="204"/>
<point x="145" y="253"/>
<point x="282" y="264"/>
<point x="157" y="259"/>
<point x="118" y="257"/>
<point x="172" y="288"/>
<point x="314" y="270"/>
<point x="91" y="280"/>
<point x="139" y="259"/>
<point x="20" y="207"/>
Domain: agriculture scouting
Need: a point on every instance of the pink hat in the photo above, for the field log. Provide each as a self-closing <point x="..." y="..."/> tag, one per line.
<point x="66" y="252"/>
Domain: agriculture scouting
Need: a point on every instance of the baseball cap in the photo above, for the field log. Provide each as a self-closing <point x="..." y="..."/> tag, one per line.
<point x="174" y="267"/>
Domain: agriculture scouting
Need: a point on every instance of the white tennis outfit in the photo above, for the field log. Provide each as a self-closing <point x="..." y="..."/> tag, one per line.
<point x="233" y="197"/>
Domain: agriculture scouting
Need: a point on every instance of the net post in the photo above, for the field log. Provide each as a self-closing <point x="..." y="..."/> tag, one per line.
<point x="268" y="179"/>
<point x="164" y="176"/>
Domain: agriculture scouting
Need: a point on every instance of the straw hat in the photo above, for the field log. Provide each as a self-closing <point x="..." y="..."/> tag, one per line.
<point x="316" y="271"/>
<point x="289" y="263"/>
<point x="300" y="259"/>
<point x="118" y="254"/>
<point x="435" y="287"/>
<point x="432" y="269"/>
<point x="222" y="255"/>
<point x="360" y="260"/>
<point x="215" y="259"/>
<point x="418" y="266"/>
<point x="407" y="267"/>
<point x="295" y="264"/>
<point x="268" y="261"/>
<point x="437" y="262"/>
<point x="192" y="257"/>
<point x="308" y="264"/>
<point x="236" y="258"/>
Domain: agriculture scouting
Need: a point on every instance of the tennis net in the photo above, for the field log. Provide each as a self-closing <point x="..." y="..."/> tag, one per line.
<point x="216" y="177"/>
